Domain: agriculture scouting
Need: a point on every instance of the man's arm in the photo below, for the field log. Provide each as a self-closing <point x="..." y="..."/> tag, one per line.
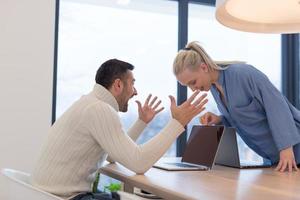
<point x="105" y="126"/>
<point x="134" y="132"/>
<point x="146" y="113"/>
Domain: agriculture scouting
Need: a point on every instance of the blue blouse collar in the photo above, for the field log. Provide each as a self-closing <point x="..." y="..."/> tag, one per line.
<point x="221" y="77"/>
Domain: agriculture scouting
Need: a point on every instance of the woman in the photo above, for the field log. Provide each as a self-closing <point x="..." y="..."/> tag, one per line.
<point x="248" y="101"/>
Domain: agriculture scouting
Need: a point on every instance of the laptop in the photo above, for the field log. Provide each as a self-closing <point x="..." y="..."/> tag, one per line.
<point x="228" y="154"/>
<point x="200" y="152"/>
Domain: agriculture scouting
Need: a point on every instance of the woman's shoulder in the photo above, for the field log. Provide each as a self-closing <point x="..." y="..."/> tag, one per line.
<point x="245" y="73"/>
<point x="240" y="67"/>
<point x="243" y="69"/>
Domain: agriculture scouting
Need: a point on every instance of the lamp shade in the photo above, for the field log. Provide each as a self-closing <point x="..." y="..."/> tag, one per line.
<point x="260" y="16"/>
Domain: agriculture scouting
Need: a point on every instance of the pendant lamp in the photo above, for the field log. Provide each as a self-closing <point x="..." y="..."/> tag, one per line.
<point x="260" y="16"/>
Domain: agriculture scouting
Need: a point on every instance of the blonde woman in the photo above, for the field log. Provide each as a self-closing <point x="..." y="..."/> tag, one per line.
<point x="248" y="101"/>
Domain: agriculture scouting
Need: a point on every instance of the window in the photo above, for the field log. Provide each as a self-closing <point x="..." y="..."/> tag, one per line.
<point x="221" y="43"/>
<point x="144" y="33"/>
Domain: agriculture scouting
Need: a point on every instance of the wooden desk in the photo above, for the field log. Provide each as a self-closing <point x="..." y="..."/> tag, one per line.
<point x="218" y="183"/>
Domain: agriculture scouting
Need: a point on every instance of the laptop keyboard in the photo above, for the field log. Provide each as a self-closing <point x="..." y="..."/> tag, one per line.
<point x="181" y="164"/>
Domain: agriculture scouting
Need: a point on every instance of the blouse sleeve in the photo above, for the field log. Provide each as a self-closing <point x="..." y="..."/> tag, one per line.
<point x="279" y="116"/>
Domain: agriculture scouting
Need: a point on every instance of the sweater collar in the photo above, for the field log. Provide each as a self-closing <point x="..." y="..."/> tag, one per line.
<point x="103" y="94"/>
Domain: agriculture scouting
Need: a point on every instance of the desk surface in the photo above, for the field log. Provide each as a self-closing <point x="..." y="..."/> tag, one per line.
<point x="218" y="183"/>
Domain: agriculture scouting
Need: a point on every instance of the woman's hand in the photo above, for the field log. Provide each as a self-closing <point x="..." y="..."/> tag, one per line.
<point x="210" y="119"/>
<point x="287" y="160"/>
<point x="148" y="110"/>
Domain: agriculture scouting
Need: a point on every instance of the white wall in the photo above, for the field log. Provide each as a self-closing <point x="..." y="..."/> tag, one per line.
<point x="26" y="71"/>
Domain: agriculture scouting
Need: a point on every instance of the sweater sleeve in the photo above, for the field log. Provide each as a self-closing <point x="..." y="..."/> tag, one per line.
<point x="104" y="125"/>
<point x="136" y="129"/>
<point x="134" y="132"/>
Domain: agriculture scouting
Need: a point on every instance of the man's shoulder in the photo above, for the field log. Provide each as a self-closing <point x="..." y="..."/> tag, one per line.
<point x="99" y="107"/>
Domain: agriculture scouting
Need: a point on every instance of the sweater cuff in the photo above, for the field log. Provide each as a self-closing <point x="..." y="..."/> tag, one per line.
<point x="175" y="126"/>
<point x="136" y="129"/>
<point x="140" y="124"/>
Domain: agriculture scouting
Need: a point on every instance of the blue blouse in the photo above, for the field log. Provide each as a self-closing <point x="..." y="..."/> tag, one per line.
<point x="263" y="117"/>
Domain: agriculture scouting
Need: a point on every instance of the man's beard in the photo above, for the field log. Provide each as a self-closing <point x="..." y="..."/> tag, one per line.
<point x="124" y="107"/>
<point x="123" y="103"/>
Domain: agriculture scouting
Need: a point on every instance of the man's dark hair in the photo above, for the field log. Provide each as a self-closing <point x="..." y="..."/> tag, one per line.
<point x="111" y="70"/>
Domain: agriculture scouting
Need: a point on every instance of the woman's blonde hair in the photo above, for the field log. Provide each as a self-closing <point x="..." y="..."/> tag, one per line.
<point x="193" y="55"/>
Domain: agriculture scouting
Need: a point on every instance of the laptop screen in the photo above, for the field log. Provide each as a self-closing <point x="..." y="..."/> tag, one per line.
<point x="202" y="145"/>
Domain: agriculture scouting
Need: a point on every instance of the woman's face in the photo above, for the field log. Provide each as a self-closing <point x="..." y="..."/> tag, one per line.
<point x="199" y="79"/>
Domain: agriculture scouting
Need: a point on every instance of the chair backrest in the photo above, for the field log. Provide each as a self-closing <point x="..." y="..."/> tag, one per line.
<point x="16" y="186"/>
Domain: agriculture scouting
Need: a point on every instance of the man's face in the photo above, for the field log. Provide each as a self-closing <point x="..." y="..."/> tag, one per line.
<point x="128" y="92"/>
<point x="195" y="80"/>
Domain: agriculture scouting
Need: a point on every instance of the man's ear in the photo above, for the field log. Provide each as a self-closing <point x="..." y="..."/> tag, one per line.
<point x="117" y="86"/>
<point x="204" y="67"/>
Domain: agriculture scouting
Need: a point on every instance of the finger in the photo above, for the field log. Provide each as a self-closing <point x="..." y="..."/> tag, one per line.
<point x="201" y="104"/>
<point x="295" y="165"/>
<point x="139" y="104"/>
<point x="278" y="166"/>
<point x="201" y="119"/>
<point x="290" y="165"/>
<point x="210" y="120"/>
<point x="284" y="166"/>
<point x="199" y="100"/>
<point x="153" y="101"/>
<point x="172" y="99"/>
<point x="157" y="104"/>
<point x="157" y="111"/>
<point x="204" y="119"/>
<point x="191" y="98"/>
<point x="148" y="99"/>
<point x="197" y="111"/>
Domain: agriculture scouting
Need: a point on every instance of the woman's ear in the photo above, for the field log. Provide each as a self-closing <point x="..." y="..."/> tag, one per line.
<point x="204" y="67"/>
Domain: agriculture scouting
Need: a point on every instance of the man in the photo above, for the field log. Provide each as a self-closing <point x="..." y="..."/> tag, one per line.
<point x="91" y="129"/>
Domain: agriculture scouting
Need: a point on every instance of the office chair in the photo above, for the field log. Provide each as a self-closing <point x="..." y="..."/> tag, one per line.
<point x="16" y="186"/>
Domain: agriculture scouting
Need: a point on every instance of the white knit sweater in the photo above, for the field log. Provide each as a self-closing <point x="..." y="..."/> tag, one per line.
<point x="81" y="138"/>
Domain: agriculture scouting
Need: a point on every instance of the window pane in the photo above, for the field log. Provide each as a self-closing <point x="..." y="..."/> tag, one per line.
<point x="260" y="50"/>
<point x="141" y="32"/>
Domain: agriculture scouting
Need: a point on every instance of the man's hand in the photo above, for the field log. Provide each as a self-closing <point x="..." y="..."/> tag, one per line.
<point x="149" y="110"/>
<point x="287" y="160"/>
<point x="209" y="119"/>
<point x="185" y="112"/>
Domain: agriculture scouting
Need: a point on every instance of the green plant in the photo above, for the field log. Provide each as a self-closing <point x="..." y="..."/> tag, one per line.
<point x="113" y="187"/>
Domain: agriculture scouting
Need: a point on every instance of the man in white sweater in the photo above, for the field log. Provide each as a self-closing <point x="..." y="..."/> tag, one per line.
<point x="90" y="129"/>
